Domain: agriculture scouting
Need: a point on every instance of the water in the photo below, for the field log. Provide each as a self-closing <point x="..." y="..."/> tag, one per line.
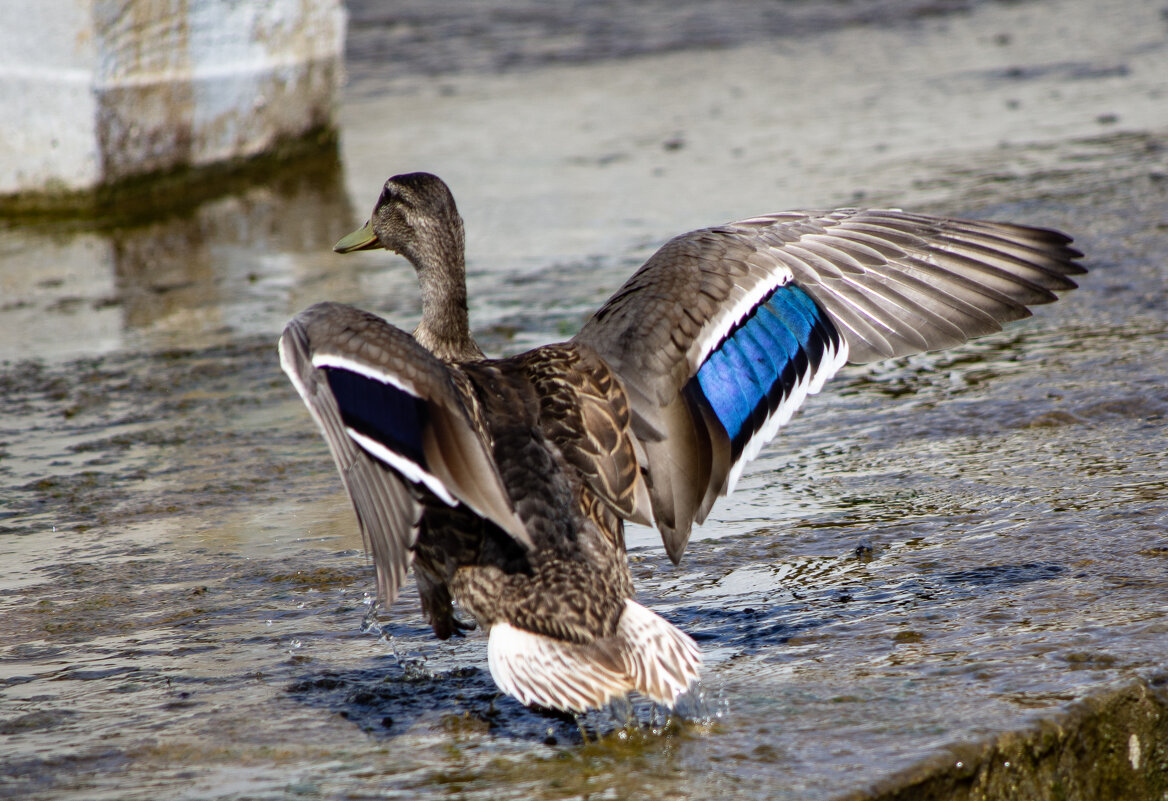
<point x="937" y="550"/>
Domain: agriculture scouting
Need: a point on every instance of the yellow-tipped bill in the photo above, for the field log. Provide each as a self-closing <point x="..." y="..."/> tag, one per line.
<point x="361" y="239"/>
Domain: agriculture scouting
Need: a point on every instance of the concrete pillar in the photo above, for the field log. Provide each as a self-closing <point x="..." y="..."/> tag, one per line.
<point x="93" y="92"/>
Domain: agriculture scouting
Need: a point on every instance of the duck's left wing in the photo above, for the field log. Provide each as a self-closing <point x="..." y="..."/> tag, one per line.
<point x="392" y="416"/>
<point x="724" y="332"/>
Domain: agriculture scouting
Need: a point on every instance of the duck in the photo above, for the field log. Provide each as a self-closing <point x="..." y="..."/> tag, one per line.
<point x="505" y="483"/>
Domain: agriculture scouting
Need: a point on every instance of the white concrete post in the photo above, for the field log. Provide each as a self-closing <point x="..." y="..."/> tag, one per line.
<point x="94" y="91"/>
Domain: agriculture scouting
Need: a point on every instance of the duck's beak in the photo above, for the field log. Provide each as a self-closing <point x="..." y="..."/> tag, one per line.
<point x="361" y="239"/>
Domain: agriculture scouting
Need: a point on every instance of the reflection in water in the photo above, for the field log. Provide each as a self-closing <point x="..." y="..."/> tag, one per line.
<point x="163" y="274"/>
<point x="189" y="277"/>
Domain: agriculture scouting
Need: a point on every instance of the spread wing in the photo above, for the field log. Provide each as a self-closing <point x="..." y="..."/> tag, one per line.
<point x="724" y="332"/>
<point x="392" y="416"/>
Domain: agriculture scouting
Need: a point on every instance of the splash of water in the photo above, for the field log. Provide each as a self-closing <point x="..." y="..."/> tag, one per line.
<point x="413" y="664"/>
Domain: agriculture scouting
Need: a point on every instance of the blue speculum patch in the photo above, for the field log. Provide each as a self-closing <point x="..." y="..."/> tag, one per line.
<point x="761" y="359"/>
<point x="380" y="411"/>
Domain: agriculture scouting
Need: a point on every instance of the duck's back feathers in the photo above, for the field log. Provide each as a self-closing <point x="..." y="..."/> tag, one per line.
<point x="392" y="414"/>
<point x="584" y="410"/>
<point x="724" y="332"/>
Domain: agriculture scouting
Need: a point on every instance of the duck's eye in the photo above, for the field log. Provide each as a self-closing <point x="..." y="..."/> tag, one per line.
<point x="394" y="194"/>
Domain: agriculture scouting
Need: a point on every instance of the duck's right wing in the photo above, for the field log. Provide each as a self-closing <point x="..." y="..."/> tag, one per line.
<point x="392" y="416"/>
<point x="725" y="331"/>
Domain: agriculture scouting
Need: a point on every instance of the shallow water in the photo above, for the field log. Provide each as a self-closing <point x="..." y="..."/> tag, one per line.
<point x="938" y="549"/>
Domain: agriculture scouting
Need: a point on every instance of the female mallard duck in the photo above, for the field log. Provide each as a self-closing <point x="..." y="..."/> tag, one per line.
<point x="506" y="481"/>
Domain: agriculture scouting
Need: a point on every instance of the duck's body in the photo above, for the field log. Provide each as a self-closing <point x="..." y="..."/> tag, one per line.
<point x="507" y="481"/>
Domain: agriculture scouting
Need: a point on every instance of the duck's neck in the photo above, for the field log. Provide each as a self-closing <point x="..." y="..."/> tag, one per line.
<point x="445" y="325"/>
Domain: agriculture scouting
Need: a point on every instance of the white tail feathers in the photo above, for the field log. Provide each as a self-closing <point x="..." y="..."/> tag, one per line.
<point x="648" y="654"/>
<point x="662" y="660"/>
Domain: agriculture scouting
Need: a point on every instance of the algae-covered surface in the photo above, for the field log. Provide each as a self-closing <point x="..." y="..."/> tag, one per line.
<point x="947" y="578"/>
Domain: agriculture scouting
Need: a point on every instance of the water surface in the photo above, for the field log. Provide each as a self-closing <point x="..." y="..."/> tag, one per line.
<point x="937" y="550"/>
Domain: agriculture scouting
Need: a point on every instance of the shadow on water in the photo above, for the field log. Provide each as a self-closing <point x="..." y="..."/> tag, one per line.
<point x="993" y="575"/>
<point x="405" y="696"/>
<point x="393" y="698"/>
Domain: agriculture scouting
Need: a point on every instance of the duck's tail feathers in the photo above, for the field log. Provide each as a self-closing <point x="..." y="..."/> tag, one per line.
<point x="647" y="654"/>
<point x="663" y="661"/>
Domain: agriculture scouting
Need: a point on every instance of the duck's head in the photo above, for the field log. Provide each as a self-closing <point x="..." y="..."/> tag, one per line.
<point x="415" y="216"/>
